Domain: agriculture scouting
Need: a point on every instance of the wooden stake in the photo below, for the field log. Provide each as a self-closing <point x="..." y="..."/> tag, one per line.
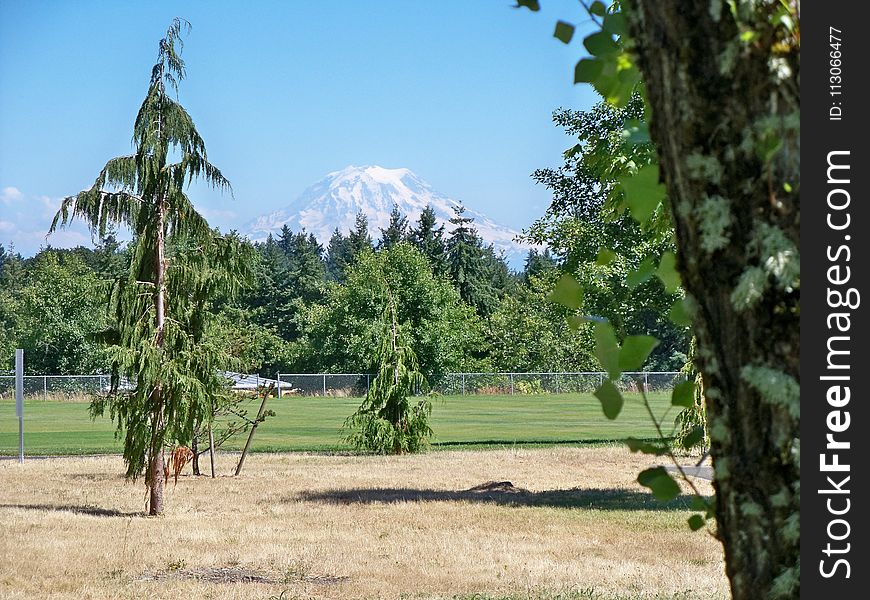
<point x="254" y="427"/>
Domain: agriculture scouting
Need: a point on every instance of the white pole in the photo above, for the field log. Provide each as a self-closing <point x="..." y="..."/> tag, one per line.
<point x="324" y="385"/>
<point x="19" y="400"/>
<point x="279" y="385"/>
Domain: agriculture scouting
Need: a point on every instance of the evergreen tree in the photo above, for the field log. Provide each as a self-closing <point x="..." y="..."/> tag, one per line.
<point x="306" y="270"/>
<point x="537" y="263"/>
<point x="358" y="239"/>
<point x="267" y="298"/>
<point x="429" y="240"/>
<point x="466" y="264"/>
<point x="337" y="254"/>
<point x="157" y="306"/>
<point x="285" y="240"/>
<point x="396" y="231"/>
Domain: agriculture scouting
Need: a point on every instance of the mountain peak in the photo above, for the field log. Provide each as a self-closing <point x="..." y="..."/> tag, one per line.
<point x="334" y="201"/>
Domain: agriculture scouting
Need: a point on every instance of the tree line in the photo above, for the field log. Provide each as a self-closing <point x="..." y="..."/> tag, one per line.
<point x="310" y="308"/>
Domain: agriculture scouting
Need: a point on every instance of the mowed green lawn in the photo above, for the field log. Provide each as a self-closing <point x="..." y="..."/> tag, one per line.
<point x="314" y="423"/>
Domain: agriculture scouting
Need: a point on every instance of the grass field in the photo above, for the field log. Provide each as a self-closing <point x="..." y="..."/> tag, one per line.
<point x="314" y="423"/>
<point x="574" y="525"/>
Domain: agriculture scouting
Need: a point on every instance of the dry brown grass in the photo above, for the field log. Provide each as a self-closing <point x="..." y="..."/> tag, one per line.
<point x="353" y="527"/>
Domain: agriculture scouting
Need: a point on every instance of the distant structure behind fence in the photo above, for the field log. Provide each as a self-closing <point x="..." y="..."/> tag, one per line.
<point x="356" y="385"/>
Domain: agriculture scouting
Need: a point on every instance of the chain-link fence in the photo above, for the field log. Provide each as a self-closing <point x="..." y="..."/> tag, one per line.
<point x="460" y="384"/>
<point x="356" y="385"/>
<point x="339" y="385"/>
<point x="72" y="387"/>
<point x="43" y="387"/>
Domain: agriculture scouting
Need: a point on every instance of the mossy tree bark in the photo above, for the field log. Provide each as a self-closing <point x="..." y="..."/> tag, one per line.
<point x="723" y="88"/>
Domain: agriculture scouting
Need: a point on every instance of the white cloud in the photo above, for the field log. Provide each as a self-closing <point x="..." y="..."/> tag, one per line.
<point x="25" y="219"/>
<point x="10" y="194"/>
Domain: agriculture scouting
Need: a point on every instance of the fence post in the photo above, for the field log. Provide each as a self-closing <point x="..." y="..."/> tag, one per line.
<point x="512" y="384"/>
<point x="463" y="384"/>
<point x="45" y="387"/>
<point x="19" y="400"/>
<point x="645" y="381"/>
<point x="557" y="383"/>
<point x="279" y="385"/>
<point x="324" y="384"/>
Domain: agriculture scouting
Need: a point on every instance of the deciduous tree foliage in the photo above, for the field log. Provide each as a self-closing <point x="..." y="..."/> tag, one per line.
<point x="529" y="333"/>
<point x="345" y="333"/>
<point x="60" y="308"/>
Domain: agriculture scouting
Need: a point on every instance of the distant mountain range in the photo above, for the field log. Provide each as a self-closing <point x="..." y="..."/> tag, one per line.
<point x="335" y="200"/>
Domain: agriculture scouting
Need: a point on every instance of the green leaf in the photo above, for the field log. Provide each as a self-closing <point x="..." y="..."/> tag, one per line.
<point x="659" y="481"/>
<point x="643" y="272"/>
<point x="605" y="257"/>
<point x="768" y="146"/>
<point x="667" y="272"/>
<point x="575" y="321"/>
<point x="635" y="350"/>
<point x="611" y="399"/>
<point x="636" y="445"/>
<point x="600" y="44"/>
<point x="683" y="394"/>
<point x="698" y="503"/>
<point x="567" y="292"/>
<point x="597" y="8"/>
<point x="679" y="313"/>
<point x="588" y="70"/>
<point x="532" y="5"/>
<point x="696" y="522"/>
<point x="615" y="23"/>
<point x="643" y="192"/>
<point x="564" y="32"/>
<point x="693" y="438"/>
<point x="606" y="349"/>
<point x="636" y="132"/>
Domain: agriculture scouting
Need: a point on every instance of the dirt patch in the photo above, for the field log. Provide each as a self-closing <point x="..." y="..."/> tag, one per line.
<point x="496" y="486"/>
<point x="235" y="575"/>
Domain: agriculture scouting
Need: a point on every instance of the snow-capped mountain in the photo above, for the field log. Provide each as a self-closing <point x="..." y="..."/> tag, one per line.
<point x="335" y="200"/>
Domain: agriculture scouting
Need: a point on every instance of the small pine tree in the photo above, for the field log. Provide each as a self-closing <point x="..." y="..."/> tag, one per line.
<point x="388" y="421"/>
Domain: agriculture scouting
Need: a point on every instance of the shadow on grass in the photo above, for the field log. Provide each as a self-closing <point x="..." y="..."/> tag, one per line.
<point x="94" y="511"/>
<point x="505" y="495"/>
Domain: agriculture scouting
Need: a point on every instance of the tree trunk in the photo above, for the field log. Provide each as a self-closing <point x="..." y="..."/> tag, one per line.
<point x="194" y="447"/>
<point x="156" y="481"/>
<point x="717" y="101"/>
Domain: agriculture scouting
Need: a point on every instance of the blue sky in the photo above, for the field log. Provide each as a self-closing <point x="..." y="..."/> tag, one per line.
<point x="459" y="91"/>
